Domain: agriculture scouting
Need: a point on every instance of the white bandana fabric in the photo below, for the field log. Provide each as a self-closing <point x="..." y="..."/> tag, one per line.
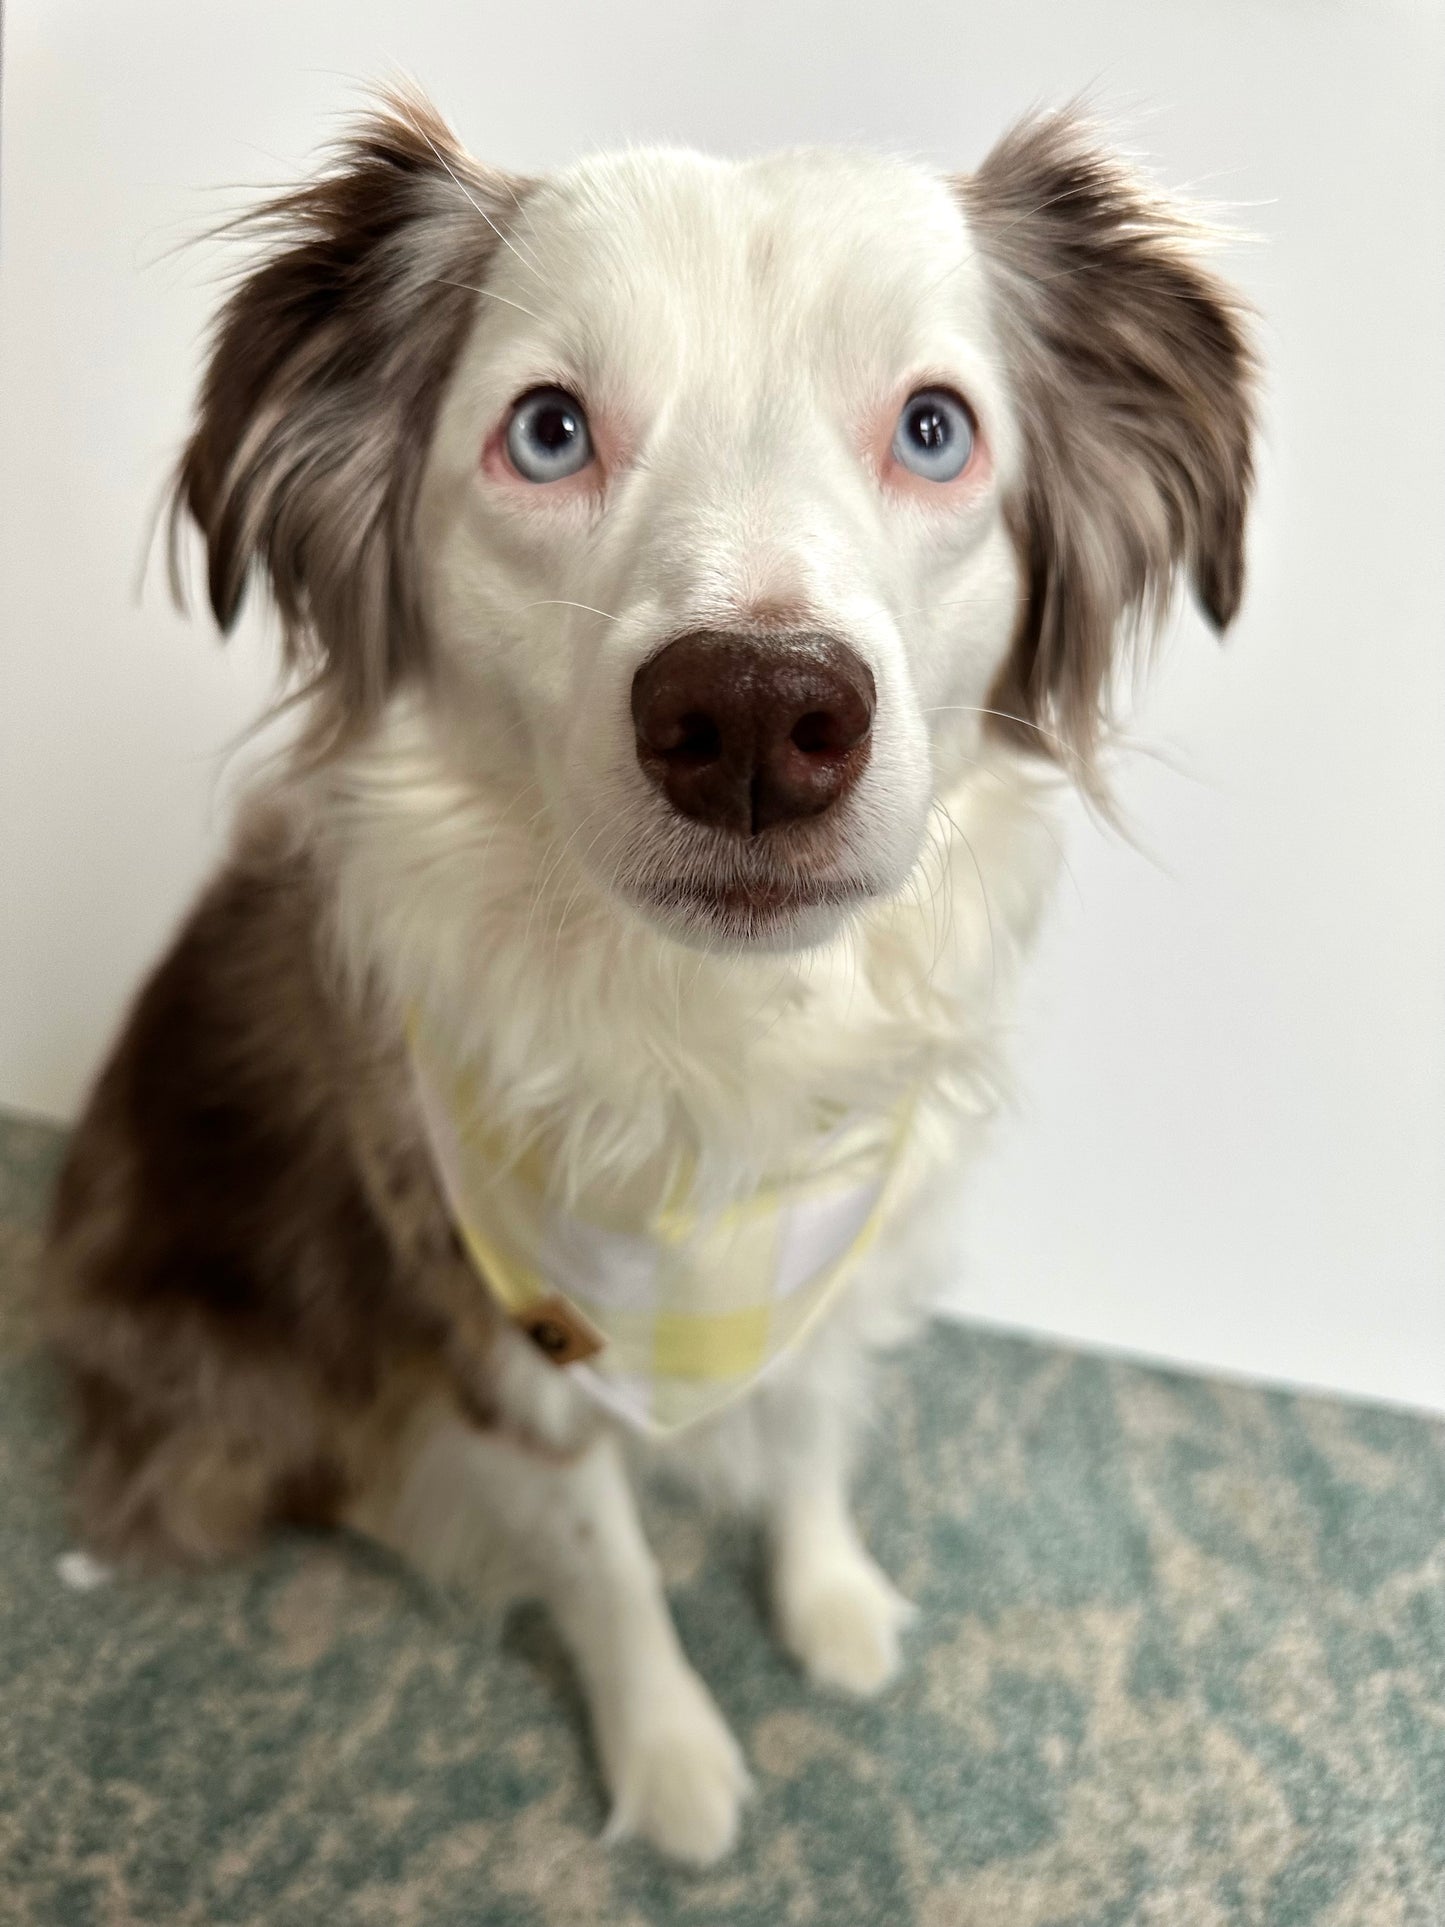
<point x="665" y="1315"/>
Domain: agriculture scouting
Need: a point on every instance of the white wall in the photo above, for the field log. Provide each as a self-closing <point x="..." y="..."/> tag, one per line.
<point x="1233" y="1131"/>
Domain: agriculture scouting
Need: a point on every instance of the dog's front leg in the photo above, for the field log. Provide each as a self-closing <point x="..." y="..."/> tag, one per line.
<point x="569" y="1526"/>
<point x="837" y="1611"/>
<point x="675" y="1771"/>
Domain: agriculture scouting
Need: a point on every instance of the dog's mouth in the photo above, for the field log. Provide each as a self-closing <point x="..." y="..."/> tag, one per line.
<point x="752" y="907"/>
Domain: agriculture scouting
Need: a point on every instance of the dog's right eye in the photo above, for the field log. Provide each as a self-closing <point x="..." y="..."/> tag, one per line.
<point x="548" y="438"/>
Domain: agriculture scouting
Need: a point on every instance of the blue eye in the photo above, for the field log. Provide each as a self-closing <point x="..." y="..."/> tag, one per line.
<point x="547" y="437"/>
<point x="935" y="435"/>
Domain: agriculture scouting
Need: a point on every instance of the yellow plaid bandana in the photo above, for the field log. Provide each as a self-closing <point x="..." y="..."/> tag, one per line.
<point x="664" y="1315"/>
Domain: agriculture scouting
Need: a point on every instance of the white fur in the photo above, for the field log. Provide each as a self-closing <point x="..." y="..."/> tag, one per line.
<point x="81" y="1573"/>
<point x="738" y="326"/>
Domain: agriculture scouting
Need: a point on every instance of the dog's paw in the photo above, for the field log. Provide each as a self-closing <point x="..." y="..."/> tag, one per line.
<point x="678" y="1779"/>
<point x="842" y="1623"/>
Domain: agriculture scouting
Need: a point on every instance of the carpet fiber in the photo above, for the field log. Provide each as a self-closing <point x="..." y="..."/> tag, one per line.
<point x="1180" y="1662"/>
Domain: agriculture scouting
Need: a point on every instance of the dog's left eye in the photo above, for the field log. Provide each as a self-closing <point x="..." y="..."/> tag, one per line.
<point x="935" y="435"/>
<point x="548" y="438"/>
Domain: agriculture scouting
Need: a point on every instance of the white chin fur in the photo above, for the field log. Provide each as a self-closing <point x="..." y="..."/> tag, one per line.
<point x="622" y="1033"/>
<point x="725" y="933"/>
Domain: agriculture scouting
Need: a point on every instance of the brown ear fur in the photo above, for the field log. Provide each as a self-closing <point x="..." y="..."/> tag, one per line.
<point x="1135" y="376"/>
<point x="325" y="371"/>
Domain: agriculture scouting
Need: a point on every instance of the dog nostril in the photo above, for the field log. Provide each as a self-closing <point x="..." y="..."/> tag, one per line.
<point x="831" y="732"/>
<point x="814" y="733"/>
<point x="699" y="741"/>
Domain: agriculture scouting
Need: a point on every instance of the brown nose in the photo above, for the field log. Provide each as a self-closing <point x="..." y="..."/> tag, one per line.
<point x="746" y="733"/>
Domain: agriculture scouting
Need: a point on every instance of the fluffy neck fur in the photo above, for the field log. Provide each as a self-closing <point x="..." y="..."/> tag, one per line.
<point x="626" y="1051"/>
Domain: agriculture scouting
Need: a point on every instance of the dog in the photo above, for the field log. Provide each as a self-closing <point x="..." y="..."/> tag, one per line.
<point x="697" y="577"/>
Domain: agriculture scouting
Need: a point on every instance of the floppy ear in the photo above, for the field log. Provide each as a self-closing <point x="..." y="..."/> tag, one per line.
<point x="319" y="397"/>
<point x="1134" y="375"/>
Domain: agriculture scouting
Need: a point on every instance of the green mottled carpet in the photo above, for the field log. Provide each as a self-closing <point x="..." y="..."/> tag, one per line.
<point x="1181" y="1662"/>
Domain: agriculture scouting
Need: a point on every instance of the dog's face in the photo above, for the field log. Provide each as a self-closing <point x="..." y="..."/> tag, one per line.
<point x="714" y="517"/>
<point x="722" y="505"/>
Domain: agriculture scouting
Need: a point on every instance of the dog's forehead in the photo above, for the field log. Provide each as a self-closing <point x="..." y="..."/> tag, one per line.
<point x="834" y="249"/>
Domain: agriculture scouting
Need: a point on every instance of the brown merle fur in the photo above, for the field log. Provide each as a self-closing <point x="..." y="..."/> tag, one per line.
<point x="252" y="1274"/>
<point x="326" y="368"/>
<point x="1135" y="381"/>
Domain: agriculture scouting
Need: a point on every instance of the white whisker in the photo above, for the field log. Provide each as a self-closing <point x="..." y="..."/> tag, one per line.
<point x="1007" y="715"/>
<point x="490" y="294"/>
<point x="560" y="602"/>
<point x="468" y="197"/>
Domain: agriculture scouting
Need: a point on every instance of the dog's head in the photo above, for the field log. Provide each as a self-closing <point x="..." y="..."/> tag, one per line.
<point x="726" y="503"/>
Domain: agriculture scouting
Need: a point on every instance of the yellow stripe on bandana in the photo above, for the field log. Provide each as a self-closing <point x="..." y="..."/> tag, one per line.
<point x="663" y="1315"/>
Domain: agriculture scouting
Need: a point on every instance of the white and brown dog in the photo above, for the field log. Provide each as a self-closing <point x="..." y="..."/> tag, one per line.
<point x="696" y="571"/>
